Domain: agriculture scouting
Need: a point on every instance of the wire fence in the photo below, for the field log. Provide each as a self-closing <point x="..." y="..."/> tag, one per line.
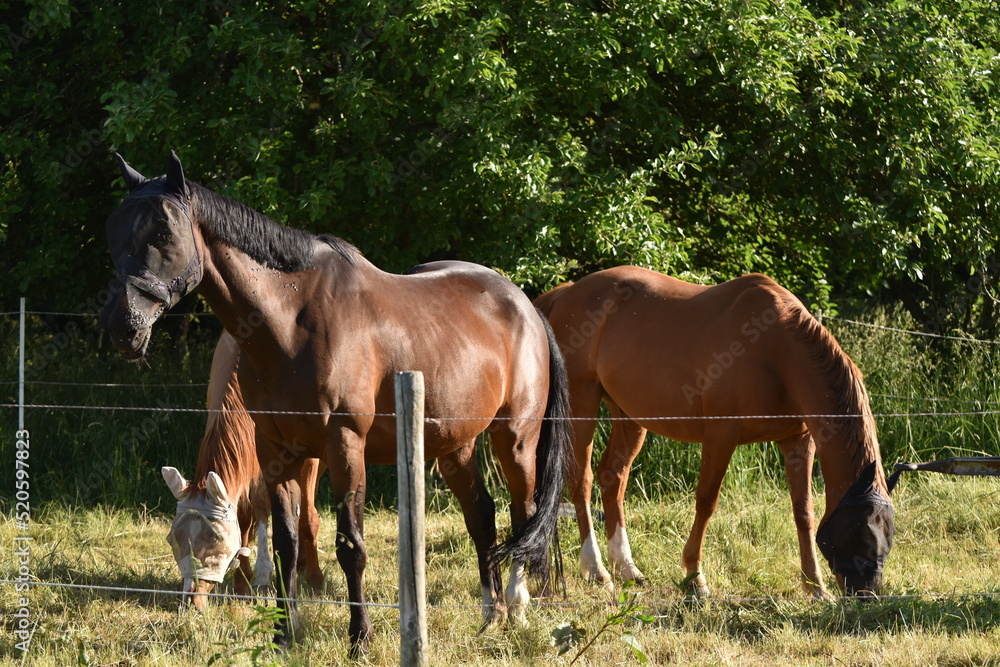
<point x="439" y="419"/>
<point x="539" y="603"/>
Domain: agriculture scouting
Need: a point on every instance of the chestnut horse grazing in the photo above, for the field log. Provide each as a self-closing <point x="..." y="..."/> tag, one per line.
<point x="653" y="346"/>
<point x="210" y="532"/>
<point x="321" y="333"/>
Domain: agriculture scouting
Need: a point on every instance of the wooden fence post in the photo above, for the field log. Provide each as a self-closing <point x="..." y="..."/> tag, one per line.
<point x="410" y="462"/>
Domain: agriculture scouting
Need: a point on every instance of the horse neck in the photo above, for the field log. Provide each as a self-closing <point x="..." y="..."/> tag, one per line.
<point x="844" y="445"/>
<point x="250" y="297"/>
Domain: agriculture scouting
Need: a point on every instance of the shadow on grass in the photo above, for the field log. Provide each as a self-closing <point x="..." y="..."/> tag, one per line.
<point x="757" y="620"/>
<point x="110" y="584"/>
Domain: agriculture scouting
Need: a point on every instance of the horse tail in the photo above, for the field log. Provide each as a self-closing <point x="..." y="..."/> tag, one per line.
<point x="530" y="542"/>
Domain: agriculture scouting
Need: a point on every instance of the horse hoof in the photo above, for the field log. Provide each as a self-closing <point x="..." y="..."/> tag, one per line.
<point x="490" y="624"/>
<point x="698" y="592"/>
<point x="823" y="594"/>
<point x="518" y="619"/>
<point x="633" y="574"/>
<point x="361" y="634"/>
<point x="493" y="616"/>
<point x="596" y="575"/>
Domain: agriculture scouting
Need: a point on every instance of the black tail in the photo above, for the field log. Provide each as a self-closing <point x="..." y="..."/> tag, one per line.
<point x="555" y="445"/>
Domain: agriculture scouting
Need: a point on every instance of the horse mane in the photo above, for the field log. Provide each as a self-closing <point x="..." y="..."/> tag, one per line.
<point x="229" y="446"/>
<point x="844" y="381"/>
<point x="276" y="246"/>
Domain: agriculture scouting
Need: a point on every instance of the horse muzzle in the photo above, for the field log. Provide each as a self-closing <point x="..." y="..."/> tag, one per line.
<point x="861" y="587"/>
<point x="195" y="593"/>
<point x="129" y="318"/>
<point x="131" y="344"/>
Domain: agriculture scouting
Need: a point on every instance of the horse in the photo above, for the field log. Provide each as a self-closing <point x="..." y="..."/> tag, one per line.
<point x="321" y="332"/>
<point x="210" y="533"/>
<point x="721" y="365"/>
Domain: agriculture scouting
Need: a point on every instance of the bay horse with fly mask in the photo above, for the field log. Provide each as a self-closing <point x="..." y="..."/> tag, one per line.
<point x="651" y="346"/>
<point x="321" y="333"/>
<point x="226" y="502"/>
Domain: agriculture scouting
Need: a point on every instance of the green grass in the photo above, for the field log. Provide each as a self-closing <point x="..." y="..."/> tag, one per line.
<point x="944" y="568"/>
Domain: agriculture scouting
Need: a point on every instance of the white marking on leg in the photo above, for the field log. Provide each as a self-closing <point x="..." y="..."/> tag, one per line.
<point x="264" y="567"/>
<point x="517" y="593"/>
<point x="620" y="555"/>
<point x="492" y="612"/>
<point x="591" y="565"/>
<point x="188" y="586"/>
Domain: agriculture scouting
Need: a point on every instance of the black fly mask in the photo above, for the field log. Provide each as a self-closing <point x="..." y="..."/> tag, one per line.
<point x="153" y="248"/>
<point x="857" y="536"/>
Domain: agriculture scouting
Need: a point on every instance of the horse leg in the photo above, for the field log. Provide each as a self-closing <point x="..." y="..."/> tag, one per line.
<point x="799" y="451"/>
<point x="518" y="465"/>
<point x="715" y="457"/>
<point x="348" y="480"/>
<point x="285" y="496"/>
<point x="461" y="472"/>
<point x="612" y="474"/>
<point x="241" y="579"/>
<point x="585" y="402"/>
<point x="264" y="567"/>
<point x="309" y="526"/>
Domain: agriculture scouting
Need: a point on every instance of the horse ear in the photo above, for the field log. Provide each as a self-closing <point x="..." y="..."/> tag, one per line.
<point x="175" y="176"/>
<point x="891" y="483"/>
<point x="133" y="179"/>
<point x="865" y="481"/>
<point x="217" y="490"/>
<point x="175" y="481"/>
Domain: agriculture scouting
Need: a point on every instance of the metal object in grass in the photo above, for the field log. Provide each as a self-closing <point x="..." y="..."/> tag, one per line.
<point x="985" y="466"/>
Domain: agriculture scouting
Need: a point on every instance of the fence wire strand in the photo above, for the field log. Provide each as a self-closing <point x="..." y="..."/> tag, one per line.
<point x="535" y="603"/>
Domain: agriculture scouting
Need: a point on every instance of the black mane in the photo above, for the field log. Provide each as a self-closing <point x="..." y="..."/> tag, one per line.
<point x="276" y="246"/>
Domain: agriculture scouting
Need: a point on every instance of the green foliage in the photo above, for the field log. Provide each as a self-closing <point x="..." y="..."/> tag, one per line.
<point x="568" y="635"/>
<point x="261" y="630"/>
<point x="844" y="149"/>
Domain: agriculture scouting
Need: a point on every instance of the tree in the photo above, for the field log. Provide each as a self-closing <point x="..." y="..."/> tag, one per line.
<point x="843" y="148"/>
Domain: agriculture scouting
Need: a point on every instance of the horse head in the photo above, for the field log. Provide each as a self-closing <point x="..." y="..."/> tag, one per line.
<point x="205" y="535"/>
<point x="152" y="243"/>
<point x="857" y="536"/>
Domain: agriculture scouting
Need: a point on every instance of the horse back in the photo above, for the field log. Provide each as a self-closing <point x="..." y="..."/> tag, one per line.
<point x="475" y="336"/>
<point x="659" y="346"/>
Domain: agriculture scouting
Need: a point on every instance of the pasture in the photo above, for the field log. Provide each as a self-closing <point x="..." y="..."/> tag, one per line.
<point x="100" y="514"/>
<point x="944" y="568"/>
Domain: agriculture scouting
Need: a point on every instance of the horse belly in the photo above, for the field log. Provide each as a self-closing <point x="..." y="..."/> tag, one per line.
<point x="440" y="437"/>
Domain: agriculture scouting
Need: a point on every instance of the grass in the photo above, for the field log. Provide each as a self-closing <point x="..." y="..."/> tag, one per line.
<point x="944" y="568"/>
<point x="99" y="511"/>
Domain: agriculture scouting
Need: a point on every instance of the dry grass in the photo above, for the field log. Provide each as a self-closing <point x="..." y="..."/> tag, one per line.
<point x="946" y="555"/>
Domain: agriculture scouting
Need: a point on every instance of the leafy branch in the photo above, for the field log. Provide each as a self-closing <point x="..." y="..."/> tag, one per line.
<point x="568" y="635"/>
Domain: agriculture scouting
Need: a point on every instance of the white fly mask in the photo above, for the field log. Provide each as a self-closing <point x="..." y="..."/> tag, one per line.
<point x="205" y="536"/>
